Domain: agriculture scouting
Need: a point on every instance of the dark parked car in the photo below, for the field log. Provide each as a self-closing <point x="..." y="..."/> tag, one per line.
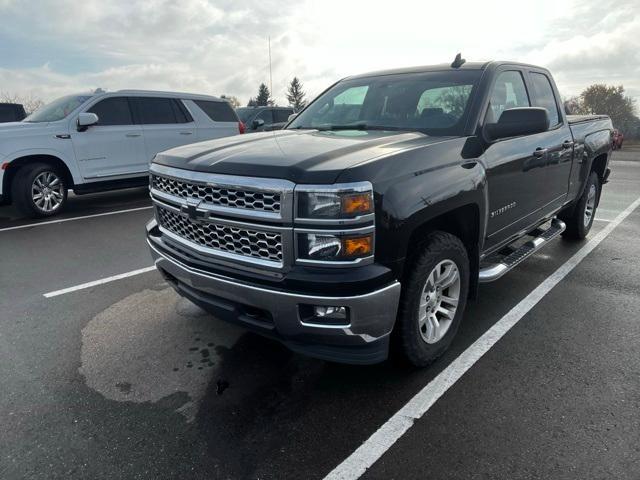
<point x="263" y="119"/>
<point x="11" y="112"/>
<point x="380" y="208"/>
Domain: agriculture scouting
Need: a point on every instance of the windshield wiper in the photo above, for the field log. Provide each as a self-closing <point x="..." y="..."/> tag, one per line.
<point x="352" y="126"/>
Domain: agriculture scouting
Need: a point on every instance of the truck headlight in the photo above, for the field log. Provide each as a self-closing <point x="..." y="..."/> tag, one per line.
<point x="329" y="247"/>
<point x="335" y="202"/>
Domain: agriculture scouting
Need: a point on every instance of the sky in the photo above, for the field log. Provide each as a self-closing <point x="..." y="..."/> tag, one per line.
<point x="52" y="48"/>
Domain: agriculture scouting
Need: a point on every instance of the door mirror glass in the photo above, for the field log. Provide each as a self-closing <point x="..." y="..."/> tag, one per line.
<point x="85" y="120"/>
<point x="518" y="121"/>
<point x="257" y="123"/>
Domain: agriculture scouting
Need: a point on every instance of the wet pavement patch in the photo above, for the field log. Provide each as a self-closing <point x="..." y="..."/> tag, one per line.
<point x="141" y="349"/>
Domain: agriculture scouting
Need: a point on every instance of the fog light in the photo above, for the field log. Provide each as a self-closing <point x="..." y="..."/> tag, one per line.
<point x="323" y="311"/>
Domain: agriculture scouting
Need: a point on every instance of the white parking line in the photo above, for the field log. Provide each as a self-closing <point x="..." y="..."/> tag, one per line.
<point x="377" y="444"/>
<point x="99" y="282"/>
<point x="62" y="220"/>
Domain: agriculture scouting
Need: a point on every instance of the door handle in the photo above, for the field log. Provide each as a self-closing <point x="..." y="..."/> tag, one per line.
<point x="540" y="152"/>
<point x="133" y="135"/>
<point x="186" y="133"/>
<point x="567" y="144"/>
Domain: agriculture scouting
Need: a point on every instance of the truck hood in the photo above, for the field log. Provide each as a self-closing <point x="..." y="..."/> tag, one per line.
<point x="302" y="156"/>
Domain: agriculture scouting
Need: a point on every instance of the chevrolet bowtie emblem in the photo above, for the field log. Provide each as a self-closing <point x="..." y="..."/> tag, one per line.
<point x="191" y="210"/>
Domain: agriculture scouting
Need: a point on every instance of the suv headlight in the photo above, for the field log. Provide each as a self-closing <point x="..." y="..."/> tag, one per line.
<point x="334" y="224"/>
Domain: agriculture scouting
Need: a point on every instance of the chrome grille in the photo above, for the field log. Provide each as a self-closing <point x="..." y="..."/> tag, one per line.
<point x="219" y="195"/>
<point x="262" y="245"/>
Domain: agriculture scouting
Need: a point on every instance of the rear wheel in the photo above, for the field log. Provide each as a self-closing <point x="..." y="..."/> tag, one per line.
<point x="39" y="190"/>
<point x="433" y="299"/>
<point x="580" y="221"/>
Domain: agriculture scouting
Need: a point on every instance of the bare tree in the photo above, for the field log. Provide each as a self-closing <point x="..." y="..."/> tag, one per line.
<point x="30" y="102"/>
<point x="233" y="100"/>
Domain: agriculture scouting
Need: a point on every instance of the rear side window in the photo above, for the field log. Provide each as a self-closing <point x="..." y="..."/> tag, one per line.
<point x="156" y="111"/>
<point x="113" y="111"/>
<point x="217" y="111"/>
<point x="545" y="97"/>
<point x="508" y="92"/>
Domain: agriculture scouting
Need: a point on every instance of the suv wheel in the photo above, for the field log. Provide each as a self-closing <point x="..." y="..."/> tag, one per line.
<point x="580" y="220"/>
<point x="39" y="190"/>
<point x="434" y="299"/>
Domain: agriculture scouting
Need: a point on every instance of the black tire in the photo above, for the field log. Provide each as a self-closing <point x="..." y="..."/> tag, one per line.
<point x="577" y="226"/>
<point x="21" y="190"/>
<point x="438" y="247"/>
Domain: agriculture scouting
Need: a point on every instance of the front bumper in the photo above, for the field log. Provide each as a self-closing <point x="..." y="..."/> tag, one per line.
<point x="277" y="314"/>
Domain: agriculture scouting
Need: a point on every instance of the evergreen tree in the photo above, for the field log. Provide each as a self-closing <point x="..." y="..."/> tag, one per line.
<point x="264" y="96"/>
<point x="295" y="95"/>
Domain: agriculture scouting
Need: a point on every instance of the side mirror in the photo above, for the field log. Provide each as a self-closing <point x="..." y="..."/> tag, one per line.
<point x="256" y="124"/>
<point x="518" y="121"/>
<point x="85" y="120"/>
<point x="292" y="116"/>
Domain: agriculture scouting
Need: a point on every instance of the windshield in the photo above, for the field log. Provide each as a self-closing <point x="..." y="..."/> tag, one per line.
<point x="245" y="113"/>
<point x="58" y="109"/>
<point x="435" y="103"/>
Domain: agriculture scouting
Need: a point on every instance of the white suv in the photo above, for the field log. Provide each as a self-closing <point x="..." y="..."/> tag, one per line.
<point x="100" y="141"/>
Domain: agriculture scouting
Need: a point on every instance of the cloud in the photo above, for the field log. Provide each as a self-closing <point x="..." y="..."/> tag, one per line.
<point x="220" y="46"/>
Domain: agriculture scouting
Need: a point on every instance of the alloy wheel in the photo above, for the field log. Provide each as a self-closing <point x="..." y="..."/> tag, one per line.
<point x="47" y="191"/>
<point x="439" y="301"/>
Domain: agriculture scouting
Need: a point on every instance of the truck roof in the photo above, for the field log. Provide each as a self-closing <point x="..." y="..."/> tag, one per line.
<point x="446" y="67"/>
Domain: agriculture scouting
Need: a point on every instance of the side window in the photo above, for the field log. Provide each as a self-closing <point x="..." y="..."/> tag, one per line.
<point x="545" y="97"/>
<point x="113" y="111"/>
<point x="281" y="116"/>
<point x="509" y="91"/>
<point x="155" y="111"/>
<point x="217" y="111"/>
<point x="181" y="112"/>
<point x="265" y="115"/>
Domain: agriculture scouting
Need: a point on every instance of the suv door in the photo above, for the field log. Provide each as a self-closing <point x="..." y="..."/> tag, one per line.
<point x="515" y="175"/>
<point x="112" y="147"/>
<point x="166" y="123"/>
<point x="557" y="142"/>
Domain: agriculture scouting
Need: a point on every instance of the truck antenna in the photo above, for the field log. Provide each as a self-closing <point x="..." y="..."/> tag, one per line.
<point x="457" y="63"/>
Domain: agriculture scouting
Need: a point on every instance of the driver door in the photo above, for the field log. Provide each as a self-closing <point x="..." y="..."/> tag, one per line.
<point x="515" y="174"/>
<point x="114" y="146"/>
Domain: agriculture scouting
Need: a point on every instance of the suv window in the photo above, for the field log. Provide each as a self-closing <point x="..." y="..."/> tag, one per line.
<point x="155" y="110"/>
<point x="281" y="116"/>
<point x="508" y="92"/>
<point x="545" y="97"/>
<point x="217" y="111"/>
<point x="113" y="111"/>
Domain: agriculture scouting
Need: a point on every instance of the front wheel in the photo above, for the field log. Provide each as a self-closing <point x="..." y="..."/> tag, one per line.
<point x="39" y="190"/>
<point x="433" y="299"/>
<point x="580" y="221"/>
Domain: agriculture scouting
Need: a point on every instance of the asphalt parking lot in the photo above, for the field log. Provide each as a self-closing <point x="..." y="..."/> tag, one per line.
<point x="123" y="379"/>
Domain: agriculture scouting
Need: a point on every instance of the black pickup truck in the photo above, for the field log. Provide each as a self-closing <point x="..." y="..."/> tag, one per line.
<point x="372" y="217"/>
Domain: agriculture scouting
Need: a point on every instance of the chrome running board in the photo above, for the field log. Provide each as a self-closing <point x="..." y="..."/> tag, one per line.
<point x="493" y="271"/>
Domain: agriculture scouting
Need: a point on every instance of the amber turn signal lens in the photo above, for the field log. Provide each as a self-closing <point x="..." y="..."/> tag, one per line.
<point x="358" y="203"/>
<point x="358" y="246"/>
